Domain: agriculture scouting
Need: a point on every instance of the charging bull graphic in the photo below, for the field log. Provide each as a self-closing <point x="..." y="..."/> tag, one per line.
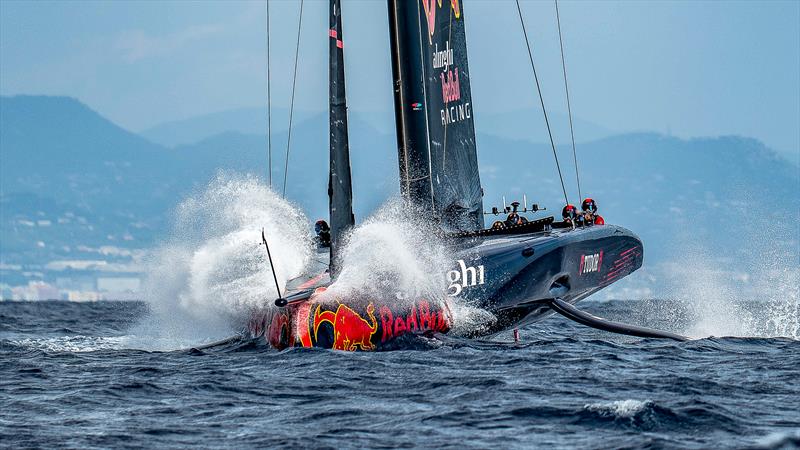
<point x="350" y="330"/>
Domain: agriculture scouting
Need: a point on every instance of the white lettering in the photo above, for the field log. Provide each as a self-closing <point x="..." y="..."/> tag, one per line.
<point x="464" y="277"/>
<point x="456" y="113"/>
<point x="590" y="263"/>
<point x="443" y="59"/>
<point x="454" y="277"/>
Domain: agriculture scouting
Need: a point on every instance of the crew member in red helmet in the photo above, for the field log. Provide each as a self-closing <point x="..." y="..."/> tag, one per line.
<point x="590" y="216"/>
<point x="569" y="214"/>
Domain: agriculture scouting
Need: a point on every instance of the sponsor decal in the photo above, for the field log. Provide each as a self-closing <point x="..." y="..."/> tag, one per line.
<point x="464" y="277"/>
<point x="442" y="59"/>
<point x="451" y="88"/>
<point x="350" y="330"/>
<point x="454" y="110"/>
<point x="456" y="113"/>
<point x="416" y="106"/>
<point x="622" y="265"/>
<point x="420" y="319"/>
<point x="590" y="263"/>
<point x="430" y="7"/>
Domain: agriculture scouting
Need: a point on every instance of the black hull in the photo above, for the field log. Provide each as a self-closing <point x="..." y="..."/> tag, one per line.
<point x="521" y="273"/>
<point x="515" y="276"/>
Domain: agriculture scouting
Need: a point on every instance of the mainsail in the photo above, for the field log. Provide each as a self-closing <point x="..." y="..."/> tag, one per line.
<point x="433" y="111"/>
<point x="340" y="189"/>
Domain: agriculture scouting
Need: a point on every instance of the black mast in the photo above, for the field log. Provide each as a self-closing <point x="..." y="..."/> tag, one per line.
<point x="409" y="98"/>
<point x="340" y="189"/>
<point x="433" y="111"/>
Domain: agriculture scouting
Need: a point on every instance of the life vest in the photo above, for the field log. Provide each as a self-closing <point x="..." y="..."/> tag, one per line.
<point x="598" y="220"/>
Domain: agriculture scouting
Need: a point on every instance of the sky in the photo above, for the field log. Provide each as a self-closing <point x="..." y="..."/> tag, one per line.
<point x="685" y="68"/>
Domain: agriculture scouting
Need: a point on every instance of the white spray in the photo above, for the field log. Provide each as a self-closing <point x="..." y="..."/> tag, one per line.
<point x="753" y="294"/>
<point x="398" y="256"/>
<point x="205" y="279"/>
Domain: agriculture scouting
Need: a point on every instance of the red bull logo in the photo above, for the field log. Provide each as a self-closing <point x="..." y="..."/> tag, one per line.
<point x="350" y="330"/>
<point x="451" y="88"/>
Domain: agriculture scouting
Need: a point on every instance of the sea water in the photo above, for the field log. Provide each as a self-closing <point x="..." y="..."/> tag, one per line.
<point x="70" y="376"/>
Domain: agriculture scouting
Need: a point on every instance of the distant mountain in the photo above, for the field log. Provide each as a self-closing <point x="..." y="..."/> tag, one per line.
<point x="74" y="186"/>
<point x="52" y="132"/>
<point x="240" y="120"/>
<point x="529" y="125"/>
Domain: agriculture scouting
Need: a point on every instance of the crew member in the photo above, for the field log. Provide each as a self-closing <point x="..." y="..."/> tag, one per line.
<point x="590" y="216"/>
<point x="323" y="231"/>
<point x="513" y="217"/>
<point x="498" y="225"/>
<point x="569" y="214"/>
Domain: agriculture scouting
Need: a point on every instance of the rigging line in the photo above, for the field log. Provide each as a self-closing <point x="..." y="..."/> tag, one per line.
<point x="569" y="108"/>
<point x="541" y="99"/>
<point x="291" y="103"/>
<point x="269" y="103"/>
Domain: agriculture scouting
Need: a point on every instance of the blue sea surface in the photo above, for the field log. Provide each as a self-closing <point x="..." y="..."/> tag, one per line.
<point x="68" y="379"/>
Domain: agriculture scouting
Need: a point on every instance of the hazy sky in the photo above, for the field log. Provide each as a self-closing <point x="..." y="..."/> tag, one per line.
<point x="690" y="68"/>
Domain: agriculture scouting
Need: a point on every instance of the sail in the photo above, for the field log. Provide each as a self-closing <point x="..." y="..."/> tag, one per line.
<point x="434" y="112"/>
<point x="340" y="189"/>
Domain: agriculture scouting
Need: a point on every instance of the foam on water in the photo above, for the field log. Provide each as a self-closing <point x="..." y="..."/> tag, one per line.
<point x="73" y="344"/>
<point x="212" y="270"/>
<point x="623" y="409"/>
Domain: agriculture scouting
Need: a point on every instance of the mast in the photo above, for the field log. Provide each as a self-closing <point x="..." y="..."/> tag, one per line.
<point x="433" y="112"/>
<point x="340" y="188"/>
<point x="409" y="93"/>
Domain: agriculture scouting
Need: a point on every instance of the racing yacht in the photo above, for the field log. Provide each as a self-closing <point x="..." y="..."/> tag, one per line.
<point x="521" y="273"/>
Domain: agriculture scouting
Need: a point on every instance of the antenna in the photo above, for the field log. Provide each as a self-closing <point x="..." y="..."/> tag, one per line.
<point x="280" y="300"/>
<point x="525" y="202"/>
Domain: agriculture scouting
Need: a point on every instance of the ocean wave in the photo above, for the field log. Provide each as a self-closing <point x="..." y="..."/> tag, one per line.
<point x="621" y="409"/>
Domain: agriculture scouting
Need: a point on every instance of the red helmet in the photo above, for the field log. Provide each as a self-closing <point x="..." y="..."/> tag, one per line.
<point x="569" y="212"/>
<point x="589" y="205"/>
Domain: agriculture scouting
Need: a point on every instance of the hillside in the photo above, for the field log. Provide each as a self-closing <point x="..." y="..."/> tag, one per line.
<point x="241" y="120"/>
